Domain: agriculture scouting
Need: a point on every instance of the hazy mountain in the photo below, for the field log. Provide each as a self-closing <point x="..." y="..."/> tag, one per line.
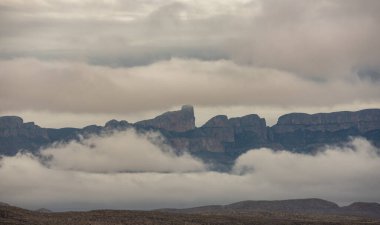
<point x="302" y="206"/>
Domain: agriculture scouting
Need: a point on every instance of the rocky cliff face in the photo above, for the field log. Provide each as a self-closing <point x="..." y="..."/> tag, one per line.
<point x="16" y="135"/>
<point x="13" y="126"/>
<point x="250" y="131"/>
<point x="179" y="121"/>
<point x="303" y="132"/>
<point x="220" y="135"/>
<point x="363" y="121"/>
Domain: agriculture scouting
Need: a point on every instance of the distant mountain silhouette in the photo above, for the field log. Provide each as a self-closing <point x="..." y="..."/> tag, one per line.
<point x="302" y="206"/>
<point x="43" y="210"/>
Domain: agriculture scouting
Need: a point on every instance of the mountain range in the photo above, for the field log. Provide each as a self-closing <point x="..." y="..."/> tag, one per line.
<point x="306" y="206"/>
<point x="220" y="139"/>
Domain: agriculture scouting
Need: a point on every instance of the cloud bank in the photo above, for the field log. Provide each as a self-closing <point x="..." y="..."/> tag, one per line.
<point x="120" y="152"/>
<point x="28" y="84"/>
<point x="69" y="181"/>
<point x="310" y="38"/>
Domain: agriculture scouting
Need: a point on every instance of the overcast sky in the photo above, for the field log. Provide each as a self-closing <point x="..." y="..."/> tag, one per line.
<point x="80" y="62"/>
<point x="72" y="63"/>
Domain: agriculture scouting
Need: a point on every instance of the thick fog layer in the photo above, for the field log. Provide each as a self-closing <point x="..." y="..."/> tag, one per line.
<point x="126" y="171"/>
<point x="119" y="152"/>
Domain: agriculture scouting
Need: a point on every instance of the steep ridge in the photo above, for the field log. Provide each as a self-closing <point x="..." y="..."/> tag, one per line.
<point x="219" y="137"/>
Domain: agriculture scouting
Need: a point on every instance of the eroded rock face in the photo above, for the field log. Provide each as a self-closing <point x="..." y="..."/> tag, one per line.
<point x="179" y="121"/>
<point x="117" y="125"/>
<point x="301" y="131"/>
<point x="13" y="126"/>
<point x="11" y="122"/>
<point x="217" y="121"/>
<point x="250" y="131"/>
<point x="218" y="128"/>
<point x="231" y="136"/>
<point x="221" y="134"/>
<point x="363" y="121"/>
<point x="16" y="135"/>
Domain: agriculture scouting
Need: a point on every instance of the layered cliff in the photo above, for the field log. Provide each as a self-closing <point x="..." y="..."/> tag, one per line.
<point x="305" y="132"/>
<point x="220" y="135"/>
<point x="16" y="135"/>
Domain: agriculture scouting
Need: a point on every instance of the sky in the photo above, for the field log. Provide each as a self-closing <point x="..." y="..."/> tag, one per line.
<point x="74" y="63"/>
<point x="78" y="62"/>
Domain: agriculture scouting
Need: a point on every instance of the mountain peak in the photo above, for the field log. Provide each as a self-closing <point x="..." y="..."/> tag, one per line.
<point x="187" y="108"/>
<point x="179" y="121"/>
<point x="11" y="121"/>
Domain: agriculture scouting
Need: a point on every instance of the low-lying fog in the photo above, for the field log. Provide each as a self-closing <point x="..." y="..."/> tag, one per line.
<point x="126" y="170"/>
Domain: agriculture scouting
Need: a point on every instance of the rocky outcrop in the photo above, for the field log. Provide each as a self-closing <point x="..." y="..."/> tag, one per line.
<point x="92" y="129"/>
<point x="179" y="121"/>
<point x="11" y="122"/>
<point x="214" y="135"/>
<point x="363" y="121"/>
<point x="13" y="126"/>
<point x="303" y="132"/>
<point x="220" y="135"/>
<point x="250" y="131"/>
<point x="16" y="135"/>
<point x="117" y="125"/>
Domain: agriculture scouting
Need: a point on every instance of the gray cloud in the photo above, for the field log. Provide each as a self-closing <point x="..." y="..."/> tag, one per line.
<point x="288" y="55"/>
<point x="321" y="39"/>
<point x="339" y="174"/>
<point x="310" y="38"/>
<point x="27" y="84"/>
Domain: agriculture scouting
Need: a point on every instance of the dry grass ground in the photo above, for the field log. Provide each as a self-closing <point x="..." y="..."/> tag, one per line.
<point x="15" y="216"/>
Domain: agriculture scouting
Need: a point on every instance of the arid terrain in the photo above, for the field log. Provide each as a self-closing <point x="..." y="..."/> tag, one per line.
<point x="16" y="216"/>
